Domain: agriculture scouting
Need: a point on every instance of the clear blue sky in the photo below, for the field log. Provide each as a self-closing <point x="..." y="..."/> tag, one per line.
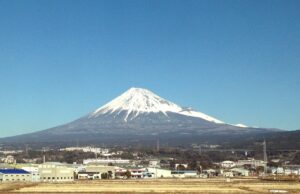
<point x="238" y="61"/>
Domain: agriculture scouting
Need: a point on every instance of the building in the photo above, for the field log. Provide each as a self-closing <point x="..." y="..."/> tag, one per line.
<point x="87" y="149"/>
<point x="55" y="172"/>
<point x="137" y="173"/>
<point x="184" y="174"/>
<point x="251" y="162"/>
<point x="88" y="175"/>
<point x="14" y="175"/>
<point x="278" y="170"/>
<point x="227" y="173"/>
<point x="154" y="163"/>
<point x="120" y="173"/>
<point x="102" y="161"/>
<point x="108" y="171"/>
<point x="34" y="171"/>
<point x="159" y="172"/>
<point x="227" y="164"/>
<point x="240" y="172"/>
<point x="9" y="160"/>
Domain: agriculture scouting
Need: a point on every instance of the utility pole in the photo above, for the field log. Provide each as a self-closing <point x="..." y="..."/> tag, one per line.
<point x="26" y="150"/>
<point x="265" y="156"/>
<point x="95" y="153"/>
<point x="157" y="145"/>
<point x="44" y="157"/>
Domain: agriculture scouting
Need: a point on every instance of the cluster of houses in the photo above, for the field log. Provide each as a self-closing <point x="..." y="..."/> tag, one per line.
<point x="248" y="168"/>
<point x="101" y="151"/>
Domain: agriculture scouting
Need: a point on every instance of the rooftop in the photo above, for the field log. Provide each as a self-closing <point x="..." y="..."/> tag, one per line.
<point x="13" y="171"/>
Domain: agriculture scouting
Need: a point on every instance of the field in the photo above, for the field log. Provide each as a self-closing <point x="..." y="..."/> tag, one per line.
<point x="178" y="186"/>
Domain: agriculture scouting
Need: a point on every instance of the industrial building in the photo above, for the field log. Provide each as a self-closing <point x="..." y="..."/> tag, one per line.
<point x="14" y="175"/>
<point x="55" y="172"/>
<point x="159" y="172"/>
<point x="251" y="162"/>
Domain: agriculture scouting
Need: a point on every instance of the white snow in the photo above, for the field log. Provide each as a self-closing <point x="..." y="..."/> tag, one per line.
<point x="200" y="115"/>
<point x="139" y="100"/>
<point x="241" y="125"/>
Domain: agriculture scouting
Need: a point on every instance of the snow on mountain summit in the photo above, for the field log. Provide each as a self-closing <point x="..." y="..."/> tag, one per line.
<point x="138" y="101"/>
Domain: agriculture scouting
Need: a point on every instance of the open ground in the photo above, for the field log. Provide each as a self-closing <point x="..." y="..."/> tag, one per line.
<point x="178" y="186"/>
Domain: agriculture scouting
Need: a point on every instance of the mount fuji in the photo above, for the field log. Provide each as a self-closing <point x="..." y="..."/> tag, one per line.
<point x="140" y="114"/>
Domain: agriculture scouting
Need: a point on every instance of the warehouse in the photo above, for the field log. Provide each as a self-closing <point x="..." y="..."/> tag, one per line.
<point x="55" y="172"/>
<point x="14" y="175"/>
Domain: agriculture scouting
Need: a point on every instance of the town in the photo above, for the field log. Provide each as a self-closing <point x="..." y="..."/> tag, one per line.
<point x="93" y="163"/>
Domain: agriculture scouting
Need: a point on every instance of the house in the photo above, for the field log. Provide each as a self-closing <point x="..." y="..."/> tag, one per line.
<point x="120" y="173"/>
<point x="227" y="173"/>
<point x="88" y="175"/>
<point x="9" y="159"/>
<point x="210" y="172"/>
<point x="240" y="172"/>
<point x="14" y="175"/>
<point x="137" y="173"/>
<point x="107" y="171"/>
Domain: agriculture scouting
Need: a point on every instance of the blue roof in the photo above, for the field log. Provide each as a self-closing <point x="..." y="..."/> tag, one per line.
<point x="190" y="171"/>
<point x="13" y="171"/>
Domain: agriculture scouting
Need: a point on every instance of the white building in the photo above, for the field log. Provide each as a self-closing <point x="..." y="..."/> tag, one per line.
<point x="184" y="174"/>
<point x="240" y="171"/>
<point x="89" y="175"/>
<point x="55" y="172"/>
<point x="9" y="160"/>
<point x="34" y="171"/>
<point x="106" y="161"/>
<point x="228" y="164"/>
<point x="159" y="173"/>
<point x="87" y="149"/>
<point x="227" y="173"/>
<point x="252" y="162"/>
<point x="137" y="173"/>
<point x="153" y="163"/>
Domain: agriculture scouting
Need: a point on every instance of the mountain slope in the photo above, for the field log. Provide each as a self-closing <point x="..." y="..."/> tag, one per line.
<point x="141" y="114"/>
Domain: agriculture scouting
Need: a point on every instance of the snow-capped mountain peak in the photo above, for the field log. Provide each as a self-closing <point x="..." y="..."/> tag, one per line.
<point x="136" y="101"/>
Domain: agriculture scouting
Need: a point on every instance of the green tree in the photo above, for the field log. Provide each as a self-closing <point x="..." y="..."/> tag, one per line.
<point x="104" y="176"/>
<point x="128" y="174"/>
